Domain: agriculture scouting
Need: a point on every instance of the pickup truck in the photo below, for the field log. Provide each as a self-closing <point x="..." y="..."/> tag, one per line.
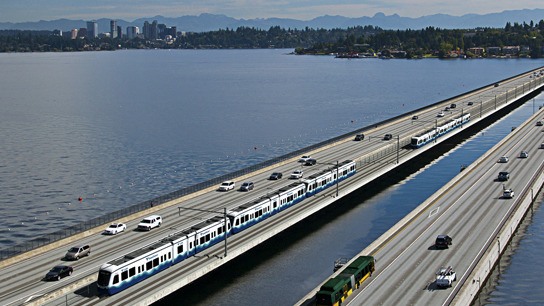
<point x="445" y="277"/>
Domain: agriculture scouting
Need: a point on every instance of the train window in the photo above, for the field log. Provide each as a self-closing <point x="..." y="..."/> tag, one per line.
<point x="202" y="240"/>
<point x="149" y="265"/>
<point x="124" y="275"/>
<point x="155" y="262"/>
<point x="131" y="271"/>
<point x="237" y="222"/>
<point x="208" y="237"/>
<point x="180" y="249"/>
<point x="169" y="255"/>
<point x="115" y="279"/>
<point x="139" y="271"/>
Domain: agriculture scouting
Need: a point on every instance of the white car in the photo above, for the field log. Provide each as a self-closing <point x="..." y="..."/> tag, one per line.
<point x="150" y="222"/>
<point x="508" y="193"/>
<point x="445" y="277"/>
<point x="304" y="158"/>
<point x="115" y="228"/>
<point x="523" y="154"/>
<point x="503" y="159"/>
<point x="440" y="114"/>
<point x="297" y="174"/>
<point x="226" y="186"/>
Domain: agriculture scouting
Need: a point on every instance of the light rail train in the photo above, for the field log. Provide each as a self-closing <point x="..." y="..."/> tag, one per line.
<point x="432" y="134"/>
<point x="129" y="269"/>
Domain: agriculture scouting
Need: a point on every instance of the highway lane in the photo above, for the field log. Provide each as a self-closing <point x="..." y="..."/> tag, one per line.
<point x="28" y="273"/>
<point x="470" y="211"/>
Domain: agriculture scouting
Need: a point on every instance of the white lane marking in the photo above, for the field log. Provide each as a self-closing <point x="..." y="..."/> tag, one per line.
<point x="433" y="212"/>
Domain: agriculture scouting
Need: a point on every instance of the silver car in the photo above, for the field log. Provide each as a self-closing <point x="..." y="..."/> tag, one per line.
<point x="77" y="252"/>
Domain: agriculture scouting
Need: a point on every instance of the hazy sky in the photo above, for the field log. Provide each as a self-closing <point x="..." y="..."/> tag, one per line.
<point x="35" y="10"/>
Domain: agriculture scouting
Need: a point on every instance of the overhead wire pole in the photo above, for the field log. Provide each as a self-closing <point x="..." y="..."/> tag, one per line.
<point x="225" y="230"/>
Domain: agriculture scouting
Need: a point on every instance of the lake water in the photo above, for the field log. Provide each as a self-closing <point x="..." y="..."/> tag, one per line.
<point x="117" y="128"/>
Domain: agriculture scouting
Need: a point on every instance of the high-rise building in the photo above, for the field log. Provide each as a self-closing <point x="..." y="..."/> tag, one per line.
<point x="113" y="29"/>
<point x="92" y="29"/>
<point x="73" y="34"/>
<point x="151" y="30"/>
<point x="119" y="32"/>
<point x="132" y="32"/>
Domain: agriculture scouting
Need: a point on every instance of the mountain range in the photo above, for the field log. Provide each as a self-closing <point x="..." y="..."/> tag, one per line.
<point x="211" y="22"/>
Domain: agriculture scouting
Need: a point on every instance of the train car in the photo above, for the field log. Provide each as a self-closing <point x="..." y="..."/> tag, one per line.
<point x="291" y="194"/>
<point x="210" y="232"/>
<point x="336" y="290"/>
<point x="317" y="182"/>
<point x="183" y="244"/>
<point x="134" y="267"/>
<point x="346" y="169"/>
<point x="250" y="213"/>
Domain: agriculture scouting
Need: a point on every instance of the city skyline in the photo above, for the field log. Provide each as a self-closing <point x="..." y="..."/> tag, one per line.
<point x="35" y="10"/>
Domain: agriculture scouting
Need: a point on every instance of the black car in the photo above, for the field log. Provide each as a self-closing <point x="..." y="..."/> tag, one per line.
<point x="503" y="176"/>
<point x="275" y="176"/>
<point x="59" y="272"/>
<point x="387" y="137"/>
<point x="359" y="137"/>
<point x="310" y="162"/>
<point x="442" y="241"/>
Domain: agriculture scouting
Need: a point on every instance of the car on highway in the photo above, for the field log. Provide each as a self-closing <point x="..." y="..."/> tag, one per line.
<point x="447" y="108"/>
<point x="115" y="228"/>
<point x="503" y="176"/>
<point x="503" y="159"/>
<point x="539" y="123"/>
<point x="496" y="85"/>
<point x="453" y="105"/>
<point x="415" y="117"/>
<point x="275" y="176"/>
<point x="508" y="193"/>
<point x="150" y="222"/>
<point x="310" y="162"/>
<point x="387" y="137"/>
<point x="442" y="242"/>
<point x="542" y="145"/>
<point x="297" y="174"/>
<point x="523" y="154"/>
<point x="304" y="158"/>
<point x="247" y="186"/>
<point x="470" y="103"/>
<point x="227" y="185"/>
<point x="58" y="272"/>
<point x="445" y="277"/>
<point x="76" y="252"/>
<point x="359" y="137"/>
<point x="440" y="114"/>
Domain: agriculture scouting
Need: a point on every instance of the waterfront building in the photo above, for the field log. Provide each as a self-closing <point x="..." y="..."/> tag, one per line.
<point x="73" y="34"/>
<point x="132" y="32"/>
<point x="92" y="29"/>
<point x="113" y="29"/>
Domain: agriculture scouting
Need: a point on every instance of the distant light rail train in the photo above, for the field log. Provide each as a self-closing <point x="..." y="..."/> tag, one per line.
<point x="432" y="134"/>
<point x="129" y="269"/>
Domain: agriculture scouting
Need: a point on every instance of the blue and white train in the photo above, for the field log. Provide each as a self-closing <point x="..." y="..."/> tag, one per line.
<point x="123" y="272"/>
<point x="432" y="134"/>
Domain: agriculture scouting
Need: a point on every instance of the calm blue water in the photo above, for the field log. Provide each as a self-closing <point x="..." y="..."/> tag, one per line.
<point x="117" y="128"/>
